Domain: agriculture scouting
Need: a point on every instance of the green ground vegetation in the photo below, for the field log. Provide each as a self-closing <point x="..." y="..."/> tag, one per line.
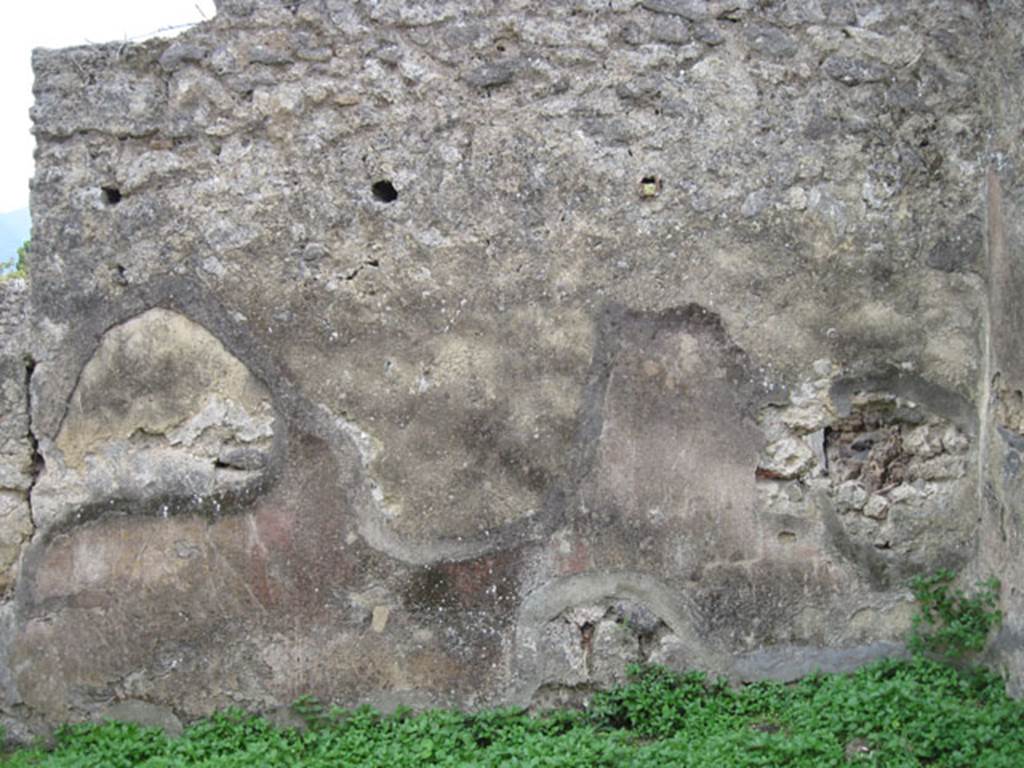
<point x="917" y="712"/>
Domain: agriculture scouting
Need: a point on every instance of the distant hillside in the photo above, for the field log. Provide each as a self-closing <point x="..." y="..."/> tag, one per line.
<point x="15" y="227"/>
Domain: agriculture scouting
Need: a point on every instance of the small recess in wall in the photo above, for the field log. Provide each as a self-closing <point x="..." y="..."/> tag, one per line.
<point x="110" y="195"/>
<point x="650" y="186"/>
<point x="384" y="191"/>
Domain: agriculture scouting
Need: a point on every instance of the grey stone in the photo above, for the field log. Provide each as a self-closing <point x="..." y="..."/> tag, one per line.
<point x="614" y="647"/>
<point x="851" y="496"/>
<point x="672" y="31"/>
<point x="262" y="54"/>
<point x="633" y="34"/>
<point x="178" y="54"/>
<point x="390" y="54"/>
<point x="119" y="103"/>
<point x="318" y="53"/>
<point x="692" y="10"/>
<point x="314" y="251"/>
<point x="637" y="618"/>
<point x="754" y="203"/>
<point x="786" y="664"/>
<point x="144" y="714"/>
<point x="242" y="458"/>
<point x="223" y="61"/>
<point x="772" y="41"/>
<point x="876" y="508"/>
<point x="236" y="7"/>
<point x="709" y="34"/>
<point x="640" y="91"/>
<point x="960" y="250"/>
<point x="731" y="10"/>
<point x="786" y="459"/>
<point x="18" y="457"/>
<point x="840" y="12"/>
<point x="852" y="72"/>
<point x="492" y="75"/>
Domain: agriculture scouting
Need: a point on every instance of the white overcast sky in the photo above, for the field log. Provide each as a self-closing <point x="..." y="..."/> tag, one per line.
<point x="57" y="24"/>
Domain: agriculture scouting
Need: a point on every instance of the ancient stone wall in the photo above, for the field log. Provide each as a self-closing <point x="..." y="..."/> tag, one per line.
<point x="460" y="352"/>
<point x="1001" y="501"/>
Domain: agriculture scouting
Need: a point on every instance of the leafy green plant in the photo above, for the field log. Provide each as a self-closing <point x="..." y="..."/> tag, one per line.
<point x="21" y="268"/>
<point x="18" y="268"/>
<point x="900" y="714"/>
<point x="311" y="711"/>
<point x="950" y="623"/>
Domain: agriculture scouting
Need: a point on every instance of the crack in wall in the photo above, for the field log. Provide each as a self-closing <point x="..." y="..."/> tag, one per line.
<point x="38" y="461"/>
<point x="355" y="272"/>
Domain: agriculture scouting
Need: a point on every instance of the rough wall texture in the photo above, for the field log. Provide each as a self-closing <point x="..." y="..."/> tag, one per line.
<point x="460" y="352"/>
<point x="1002" y="450"/>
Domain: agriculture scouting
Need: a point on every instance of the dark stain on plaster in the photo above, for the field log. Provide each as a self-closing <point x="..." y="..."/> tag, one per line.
<point x="486" y="434"/>
<point x="195" y="302"/>
<point x="210" y="507"/>
<point x="471" y="603"/>
<point x="937" y="399"/>
<point x="183" y="500"/>
<point x="489" y="583"/>
<point x="993" y="503"/>
<point x="95" y="314"/>
<point x="769" y="595"/>
<point x="961" y="249"/>
<point x="614" y="322"/>
<point x="1011" y="465"/>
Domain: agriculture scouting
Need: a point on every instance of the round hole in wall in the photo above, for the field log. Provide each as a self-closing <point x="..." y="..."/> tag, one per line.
<point x="384" y="191"/>
<point x="110" y="195"/>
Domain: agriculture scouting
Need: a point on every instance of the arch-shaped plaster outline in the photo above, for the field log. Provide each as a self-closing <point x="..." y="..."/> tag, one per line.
<point x="546" y="603"/>
<point x="91" y="510"/>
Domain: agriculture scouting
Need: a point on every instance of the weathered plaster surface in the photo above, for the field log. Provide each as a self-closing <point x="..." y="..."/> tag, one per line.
<point x="461" y="352"/>
<point x="1001" y="495"/>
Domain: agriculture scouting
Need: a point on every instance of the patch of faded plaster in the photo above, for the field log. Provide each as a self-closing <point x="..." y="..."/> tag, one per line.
<point x="162" y="418"/>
